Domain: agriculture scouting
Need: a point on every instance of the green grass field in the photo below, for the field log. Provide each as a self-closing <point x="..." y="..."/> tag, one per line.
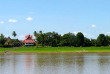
<point x="4" y="49"/>
<point x="63" y="49"/>
<point x="58" y="49"/>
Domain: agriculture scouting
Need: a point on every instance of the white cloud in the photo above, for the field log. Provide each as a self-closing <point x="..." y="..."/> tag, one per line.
<point x="1" y="22"/>
<point x="93" y="25"/>
<point x="29" y="19"/>
<point x="12" y="20"/>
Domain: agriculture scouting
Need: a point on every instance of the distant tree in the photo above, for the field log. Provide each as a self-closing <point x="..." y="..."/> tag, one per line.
<point x="55" y="39"/>
<point x="35" y="33"/>
<point x="80" y="39"/>
<point x="40" y="38"/>
<point x="14" y="34"/>
<point x="14" y="40"/>
<point x="87" y="42"/>
<point x="93" y="42"/>
<point x="101" y="40"/>
<point x="108" y="40"/>
<point x="48" y="39"/>
<point x="40" y="32"/>
<point x="2" y="39"/>
<point x="68" y="39"/>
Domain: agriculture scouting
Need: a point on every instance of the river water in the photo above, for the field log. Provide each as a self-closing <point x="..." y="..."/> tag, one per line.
<point x="55" y="64"/>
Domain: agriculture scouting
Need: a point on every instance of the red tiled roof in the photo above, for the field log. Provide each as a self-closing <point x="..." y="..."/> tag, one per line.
<point x="28" y="36"/>
<point x="28" y="41"/>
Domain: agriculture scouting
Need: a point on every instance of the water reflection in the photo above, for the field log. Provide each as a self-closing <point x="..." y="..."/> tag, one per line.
<point x="105" y="64"/>
<point x="55" y="64"/>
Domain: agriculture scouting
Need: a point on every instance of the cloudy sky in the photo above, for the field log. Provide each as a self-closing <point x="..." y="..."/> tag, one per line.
<point x="90" y="17"/>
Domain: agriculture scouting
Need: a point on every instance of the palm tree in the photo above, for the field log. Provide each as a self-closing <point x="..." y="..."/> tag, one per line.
<point x="41" y="37"/>
<point x="14" y="34"/>
<point x="40" y="32"/>
<point x="35" y="33"/>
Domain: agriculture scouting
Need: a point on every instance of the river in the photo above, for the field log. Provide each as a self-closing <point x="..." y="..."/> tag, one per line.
<point x="60" y="63"/>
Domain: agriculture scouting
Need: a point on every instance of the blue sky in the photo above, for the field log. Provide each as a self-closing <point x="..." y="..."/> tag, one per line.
<point x="90" y="17"/>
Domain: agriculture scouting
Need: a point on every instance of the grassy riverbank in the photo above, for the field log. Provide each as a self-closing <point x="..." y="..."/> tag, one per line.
<point x="58" y="49"/>
<point x="63" y="49"/>
<point x="4" y="49"/>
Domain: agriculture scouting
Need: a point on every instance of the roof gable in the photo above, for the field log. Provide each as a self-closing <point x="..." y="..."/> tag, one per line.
<point x="28" y="37"/>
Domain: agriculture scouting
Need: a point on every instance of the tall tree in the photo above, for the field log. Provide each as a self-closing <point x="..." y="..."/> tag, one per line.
<point x="68" y="39"/>
<point x="93" y="42"/>
<point x="101" y="40"/>
<point x="2" y="39"/>
<point x="108" y="40"/>
<point x="48" y="39"/>
<point x="80" y="39"/>
<point x="87" y="42"/>
<point x="40" y="38"/>
<point x="14" y="34"/>
<point x="55" y="39"/>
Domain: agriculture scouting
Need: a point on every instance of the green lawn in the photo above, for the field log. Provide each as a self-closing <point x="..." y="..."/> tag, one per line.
<point x="4" y="49"/>
<point x="63" y="49"/>
<point x="59" y="49"/>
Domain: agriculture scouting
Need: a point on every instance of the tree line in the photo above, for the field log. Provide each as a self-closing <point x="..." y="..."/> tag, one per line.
<point x="70" y="39"/>
<point x="12" y="42"/>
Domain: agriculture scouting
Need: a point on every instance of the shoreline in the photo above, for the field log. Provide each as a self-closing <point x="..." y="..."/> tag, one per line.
<point x="1" y="53"/>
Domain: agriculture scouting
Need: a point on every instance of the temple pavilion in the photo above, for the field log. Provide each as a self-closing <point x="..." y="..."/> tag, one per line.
<point x="28" y="41"/>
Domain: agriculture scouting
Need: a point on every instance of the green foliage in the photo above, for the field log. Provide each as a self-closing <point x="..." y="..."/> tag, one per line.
<point x="68" y="39"/>
<point x="14" y="34"/>
<point x="54" y="39"/>
<point x="101" y="40"/>
<point x="48" y="39"/>
<point x="35" y="33"/>
<point x="40" y="38"/>
<point x="63" y="49"/>
<point x="93" y="42"/>
<point x="14" y="40"/>
<point x="107" y="40"/>
<point x="2" y="40"/>
<point x="80" y="39"/>
<point x="87" y="42"/>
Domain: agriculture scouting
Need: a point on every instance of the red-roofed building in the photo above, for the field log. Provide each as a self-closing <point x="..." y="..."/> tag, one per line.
<point x="28" y="40"/>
